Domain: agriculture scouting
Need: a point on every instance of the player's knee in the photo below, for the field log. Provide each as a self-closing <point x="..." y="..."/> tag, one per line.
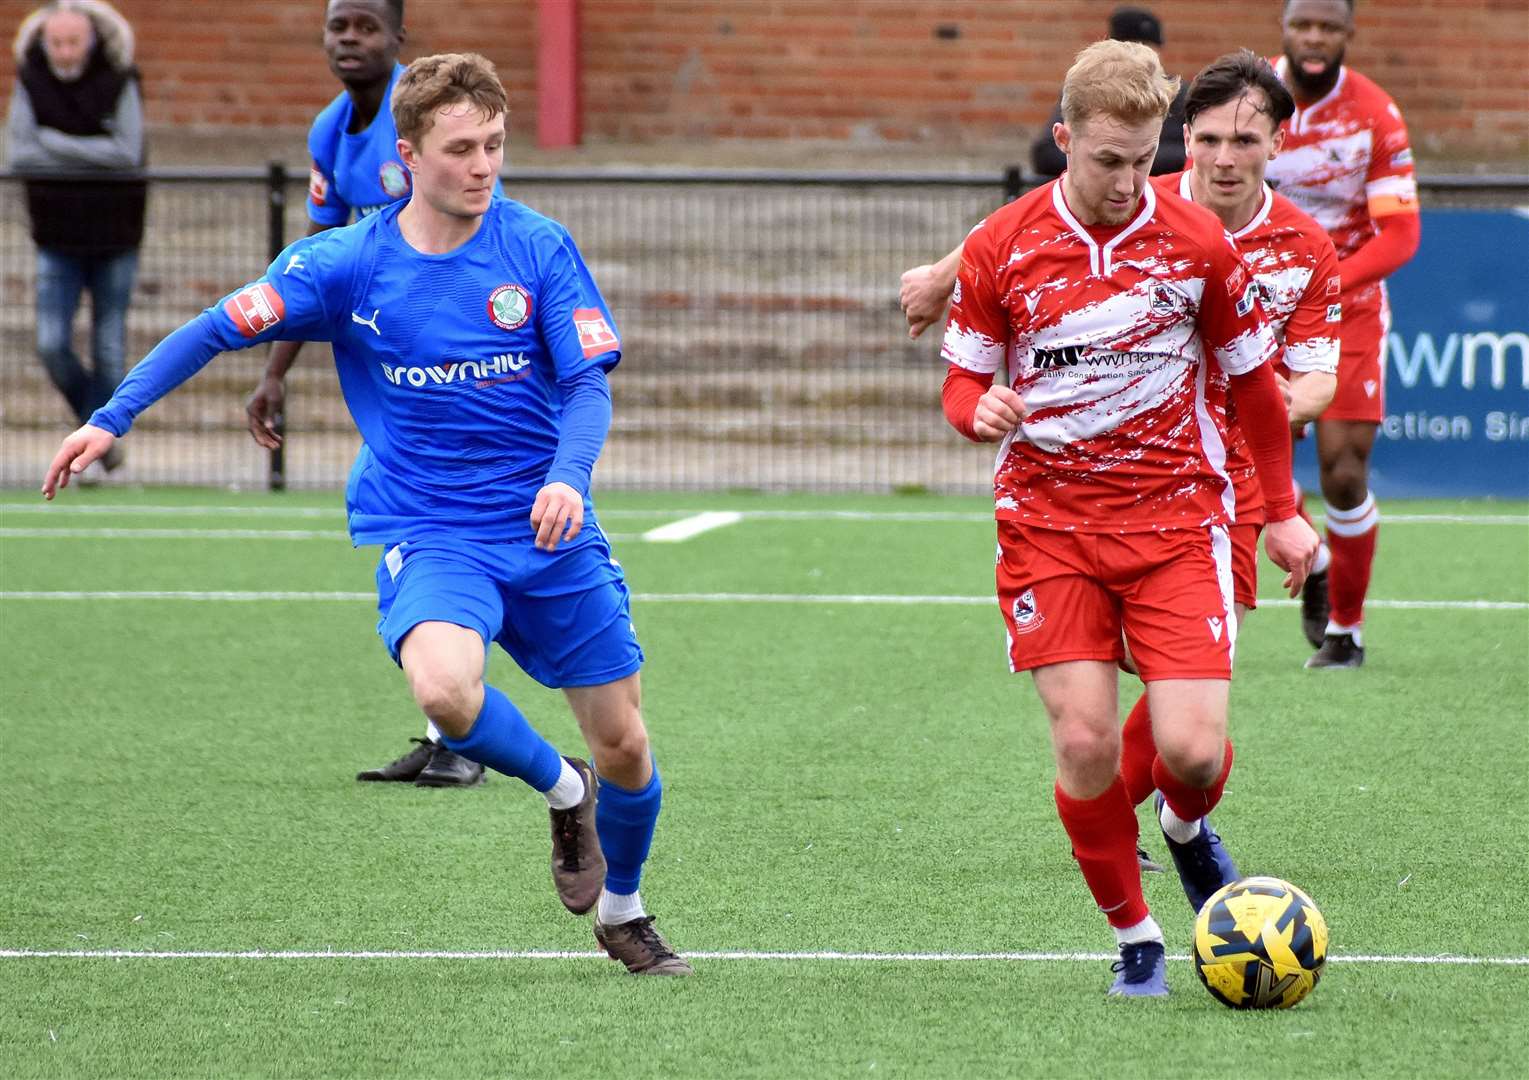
<point x="449" y="699"/>
<point x="1345" y="481"/>
<point x="1085" y="749"/>
<point x="1196" y="762"/>
<point x="623" y="747"/>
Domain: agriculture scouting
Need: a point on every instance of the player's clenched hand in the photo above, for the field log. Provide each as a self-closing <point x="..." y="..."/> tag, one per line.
<point x="263" y="410"/>
<point x="86" y="445"/>
<point x="558" y="514"/>
<point x="999" y="412"/>
<point x="923" y="297"/>
<point x="1291" y="545"/>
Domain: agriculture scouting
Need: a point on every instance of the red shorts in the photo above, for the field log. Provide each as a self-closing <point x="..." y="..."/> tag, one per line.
<point x="1071" y="595"/>
<point x="1361" y="393"/>
<point x="1245" y="564"/>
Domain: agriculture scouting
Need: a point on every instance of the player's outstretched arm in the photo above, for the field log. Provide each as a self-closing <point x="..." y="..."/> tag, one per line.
<point x="88" y="444"/>
<point x="925" y="290"/>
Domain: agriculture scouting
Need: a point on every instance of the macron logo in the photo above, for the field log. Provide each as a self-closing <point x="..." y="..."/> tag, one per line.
<point x="1215" y="625"/>
<point x="372" y="322"/>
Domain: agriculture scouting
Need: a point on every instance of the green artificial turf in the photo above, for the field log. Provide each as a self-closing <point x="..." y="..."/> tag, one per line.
<point x="839" y="777"/>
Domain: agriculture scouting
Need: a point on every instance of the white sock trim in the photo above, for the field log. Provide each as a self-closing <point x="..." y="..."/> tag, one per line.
<point x="1176" y="828"/>
<point x="1356" y="522"/>
<point x="1324" y="559"/>
<point x="615" y="908"/>
<point x="568" y="790"/>
<point x="432" y="732"/>
<point x="1146" y="930"/>
<point x="1339" y="628"/>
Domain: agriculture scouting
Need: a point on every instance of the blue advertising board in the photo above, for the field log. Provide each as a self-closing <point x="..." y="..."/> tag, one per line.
<point x="1457" y="364"/>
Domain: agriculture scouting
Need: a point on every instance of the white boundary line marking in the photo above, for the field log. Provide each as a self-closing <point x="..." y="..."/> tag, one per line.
<point x="66" y="533"/>
<point x="828" y="956"/>
<point x="706" y="598"/>
<point x="678" y="512"/>
<point x="173" y="534"/>
<point x="677" y="531"/>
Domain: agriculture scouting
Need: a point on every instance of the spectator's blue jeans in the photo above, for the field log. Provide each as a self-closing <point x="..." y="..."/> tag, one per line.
<point x="60" y="280"/>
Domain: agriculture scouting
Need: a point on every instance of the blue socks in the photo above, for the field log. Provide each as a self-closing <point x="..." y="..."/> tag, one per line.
<point x="625" y="820"/>
<point x="502" y="739"/>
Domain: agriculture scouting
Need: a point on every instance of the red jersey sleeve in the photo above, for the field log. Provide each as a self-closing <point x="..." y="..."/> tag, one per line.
<point x="977" y="333"/>
<point x="1231" y="322"/>
<point x="1313" y="331"/>
<point x="1390" y="185"/>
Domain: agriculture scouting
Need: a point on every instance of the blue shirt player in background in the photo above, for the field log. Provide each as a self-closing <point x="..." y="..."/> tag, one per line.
<point x="472" y="348"/>
<point x="356" y="170"/>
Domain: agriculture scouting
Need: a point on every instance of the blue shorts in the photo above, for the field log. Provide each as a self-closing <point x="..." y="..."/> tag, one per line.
<point x="564" y="616"/>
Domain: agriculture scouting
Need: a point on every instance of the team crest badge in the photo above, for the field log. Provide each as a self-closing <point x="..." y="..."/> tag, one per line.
<point x="395" y="179"/>
<point x="509" y="306"/>
<point x="1026" y="616"/>
<point x="1162" y="301"/>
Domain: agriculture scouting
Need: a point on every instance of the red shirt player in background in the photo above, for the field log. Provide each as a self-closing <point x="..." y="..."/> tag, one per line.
<point x="1347" y="163"/>
<point x="1109" y="307"/>
<point x="1233" y="117"/>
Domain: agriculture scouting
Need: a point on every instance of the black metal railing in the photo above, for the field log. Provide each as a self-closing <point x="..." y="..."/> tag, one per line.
<point x="764" y="345"/>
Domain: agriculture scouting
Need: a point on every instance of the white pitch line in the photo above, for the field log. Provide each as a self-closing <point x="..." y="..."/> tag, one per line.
<point x="40" y="507"/>
<point x="684" y="529"/>
<point x="709" y="598"/>
<point x="814" y="956"/>
<point x="172" y="534"/>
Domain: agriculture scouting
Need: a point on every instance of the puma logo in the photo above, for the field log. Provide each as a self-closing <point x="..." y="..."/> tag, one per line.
<point x="372" y="322"/>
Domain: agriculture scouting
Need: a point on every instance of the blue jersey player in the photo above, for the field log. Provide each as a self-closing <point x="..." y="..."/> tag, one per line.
<point x="356" y="171"/>
<point x="472" y="348"/>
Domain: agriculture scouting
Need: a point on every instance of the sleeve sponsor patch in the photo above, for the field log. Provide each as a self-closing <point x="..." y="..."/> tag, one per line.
<point x="255" y="309"/>
<point x="1334" y="285"/>
<point x="1334" y="312"/>
<point x="318" y="187"/>
<point x="1247" y="300"/>
<point x="595" y="334"/>
<point x="1237" y="282"/>
<point x="1401" y="157"/>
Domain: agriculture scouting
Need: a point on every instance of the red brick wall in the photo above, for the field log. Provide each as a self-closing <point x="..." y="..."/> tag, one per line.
<point x="874" y="73"/>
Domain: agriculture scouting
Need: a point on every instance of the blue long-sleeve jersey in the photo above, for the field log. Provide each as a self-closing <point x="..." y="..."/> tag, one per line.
<point x="475" y="377"/>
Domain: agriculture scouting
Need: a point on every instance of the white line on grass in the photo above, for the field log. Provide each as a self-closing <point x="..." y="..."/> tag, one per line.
<point x="197" y="534"/>
<point x="826" y="956"/>
<point x="677" y="512"/>
<point x="677" y="531"/>
<point x="712" y="598"/>
<point x="173" y="534"/>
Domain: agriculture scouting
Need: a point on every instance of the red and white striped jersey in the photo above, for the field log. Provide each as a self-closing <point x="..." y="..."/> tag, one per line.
<point x="1347" y="161"/>
<point x="1109" y="335"/>
<point x="1296" y="268"/>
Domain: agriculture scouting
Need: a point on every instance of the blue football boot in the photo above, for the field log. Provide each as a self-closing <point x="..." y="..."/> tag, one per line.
<point x="1203" y="864"/>
<point x="1141" y="971"/>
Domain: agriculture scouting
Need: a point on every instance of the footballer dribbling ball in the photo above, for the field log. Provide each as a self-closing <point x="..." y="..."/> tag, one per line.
<point x="1260" y="943"/>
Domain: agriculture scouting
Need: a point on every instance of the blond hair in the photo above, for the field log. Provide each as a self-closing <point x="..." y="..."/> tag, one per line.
<point x="1123" y="80"/>
<point x="433" y="82"/>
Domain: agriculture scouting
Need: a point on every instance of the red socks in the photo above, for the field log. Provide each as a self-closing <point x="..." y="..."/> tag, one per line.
<point x="1351" y="536"/>
<point x="1103" y="835"/>
<point x="1137" y="752"/>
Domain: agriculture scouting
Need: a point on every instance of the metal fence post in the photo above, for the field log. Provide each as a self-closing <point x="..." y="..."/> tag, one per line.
<point x="1013" y="183"/>
<point x="276" y="229"/>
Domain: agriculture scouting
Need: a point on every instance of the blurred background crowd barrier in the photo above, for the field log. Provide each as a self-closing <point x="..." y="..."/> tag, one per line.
<point x="764" y="347"/>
